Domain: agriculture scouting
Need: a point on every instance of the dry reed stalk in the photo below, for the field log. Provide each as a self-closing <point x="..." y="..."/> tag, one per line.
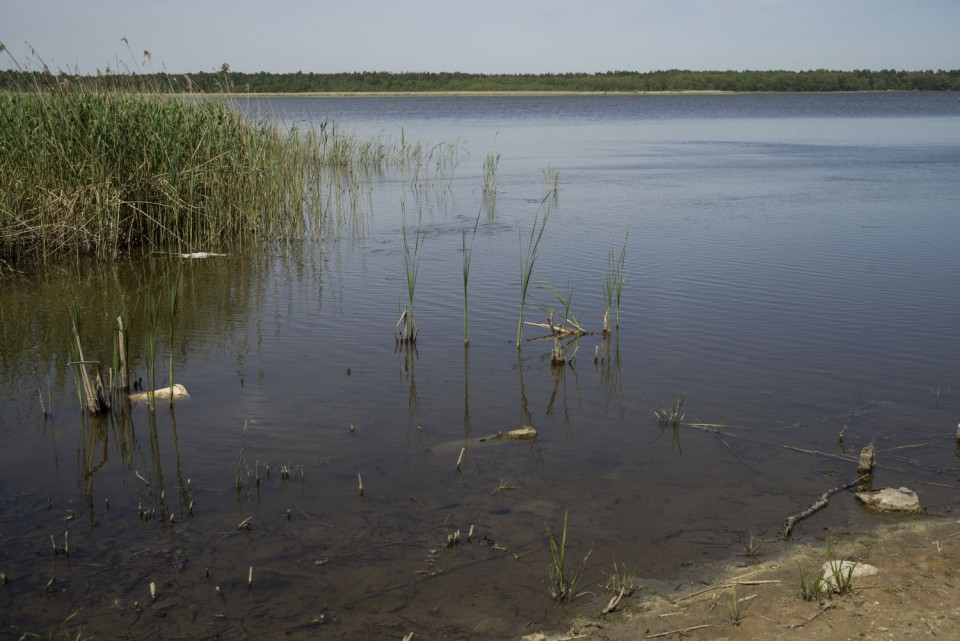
<point x="122" y="356"/>
<point x="96" y="402"/>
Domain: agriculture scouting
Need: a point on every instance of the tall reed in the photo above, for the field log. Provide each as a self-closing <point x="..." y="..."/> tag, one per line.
<point x="171" y="323"/>
<point x="150" y="346"/>
<point x="551" y="181"/>
<point x="87" y="169"/>
<point x="561" y="578"/>
<point x="490" y="165"/>
<point x="612" y="285"/>
<point x="467" y="258"/>
<point x="406" y="328"/>
<point x="527" y="259"/>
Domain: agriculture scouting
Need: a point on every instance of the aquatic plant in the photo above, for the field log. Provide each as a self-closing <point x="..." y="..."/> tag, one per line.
<point x="551" y="181"/>
<point x="620" y="580"/>
<point x="121" y="362"/>
<point x="92" y="396"/>
<point x="567" y="330"/>
<point x="612" y="285"/>
<point x="171" y="323"/>
<point x="467" y="258"/>
<point x="150" y="346"/>
<point x="527" y="260"/>
<point x="561" y="579"/>
<point x="671" y="416"/>
<point x="406" y="327"/>
<point x="490" y="165"/>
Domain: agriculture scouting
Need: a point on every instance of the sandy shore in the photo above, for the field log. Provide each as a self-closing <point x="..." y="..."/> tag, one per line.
<point x="915" y="594"/>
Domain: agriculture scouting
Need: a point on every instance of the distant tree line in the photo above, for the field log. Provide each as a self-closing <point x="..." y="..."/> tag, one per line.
<point x="610" y="81"/>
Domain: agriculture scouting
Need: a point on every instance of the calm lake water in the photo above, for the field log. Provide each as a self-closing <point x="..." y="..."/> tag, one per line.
<point x="791" y="269"/>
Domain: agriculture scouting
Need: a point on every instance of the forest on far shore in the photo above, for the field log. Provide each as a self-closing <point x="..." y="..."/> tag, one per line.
<point x="226" y="80"/>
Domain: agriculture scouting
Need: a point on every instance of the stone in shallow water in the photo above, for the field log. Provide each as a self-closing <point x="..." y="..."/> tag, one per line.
<point x="891" y="499"/>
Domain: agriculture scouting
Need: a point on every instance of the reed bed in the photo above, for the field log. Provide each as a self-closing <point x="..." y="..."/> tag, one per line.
<point x="90" y="171"/>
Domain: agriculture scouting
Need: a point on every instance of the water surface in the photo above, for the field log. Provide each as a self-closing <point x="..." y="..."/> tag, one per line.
<point x="790" y="270"/>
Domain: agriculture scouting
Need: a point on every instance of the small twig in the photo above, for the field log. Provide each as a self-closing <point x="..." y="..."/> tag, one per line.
<point x="842" y="457"/>
<point x="829" y="605"/>
<point x="907" y="447"/>
<point x="723" y="587"/>
<point x="680" y="631"/>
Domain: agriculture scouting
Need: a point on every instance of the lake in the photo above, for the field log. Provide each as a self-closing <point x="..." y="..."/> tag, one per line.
<point x="790" y="271"/>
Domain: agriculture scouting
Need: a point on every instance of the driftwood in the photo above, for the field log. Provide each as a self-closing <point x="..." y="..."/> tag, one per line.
<point x="524" y="433"/>
<point x="841" y="457"/>
<point x="567" y="328"/>
<point x="829" y="605"/>
<point x="816" y="507"/>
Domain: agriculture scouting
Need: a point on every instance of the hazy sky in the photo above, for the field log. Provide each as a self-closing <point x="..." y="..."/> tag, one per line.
<point x="494" y="36"/>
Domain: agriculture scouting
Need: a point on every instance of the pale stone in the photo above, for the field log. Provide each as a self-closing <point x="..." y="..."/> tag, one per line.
<point x="890" y="499"/>
<point x="855" y="570"/>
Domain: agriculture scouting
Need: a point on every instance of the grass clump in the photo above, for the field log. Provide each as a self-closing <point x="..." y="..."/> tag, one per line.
<point x="561" y="579"/>
<point x="835" y="577"/>
<point x="620" y="580"/>
<point x="671" y="416"/>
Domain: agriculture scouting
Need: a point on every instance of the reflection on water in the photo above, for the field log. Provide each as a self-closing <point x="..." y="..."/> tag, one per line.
<point x="790" y="271"/>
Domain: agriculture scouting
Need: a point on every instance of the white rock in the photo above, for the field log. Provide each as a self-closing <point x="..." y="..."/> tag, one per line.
<point x="842" y="568"/>
<point x="889" y="499"/>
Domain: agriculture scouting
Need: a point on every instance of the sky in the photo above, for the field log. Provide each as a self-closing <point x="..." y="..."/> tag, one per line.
<point x="479" y="36"/>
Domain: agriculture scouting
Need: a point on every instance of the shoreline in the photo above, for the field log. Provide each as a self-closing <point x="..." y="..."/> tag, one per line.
<point x="461" y="94"/>
<point x="916" y="591"/>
